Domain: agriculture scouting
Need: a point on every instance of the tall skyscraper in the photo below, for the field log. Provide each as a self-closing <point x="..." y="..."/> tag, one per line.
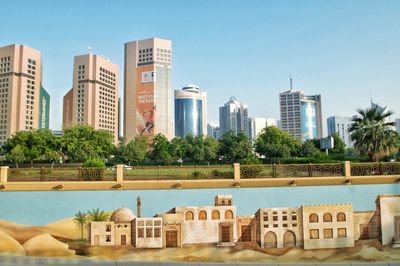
<point x="147" y="88"/>
<point x="234" y="116"/>
<point x="340" y="125"/>
<point x="301" y="115"/>
<point x="256" y="125"/>
<point x="44" y="109"/>
<point x="20" y="84"/>
<point x="190" y="111"/>
<point x="397" y="125"/>
<point x="94" y="94"/>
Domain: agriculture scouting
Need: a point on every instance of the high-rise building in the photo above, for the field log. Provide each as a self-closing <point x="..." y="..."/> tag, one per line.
<point x="234" y="116"/>
<point x="44" y="109"/>
<point x="301" y="115"/>
<point x="147" y="88"/>
<point x="340" y="125"/>
<point x="272" y="122"/>
<point x="398" y="125"/>
<point x="20" y="84"/>
<point x="213" y="131"/>
<point x="256" y="125"/>
<point x="94" y="94"/>
<point x="120" y="134"/>
<point x="190" y="111"/>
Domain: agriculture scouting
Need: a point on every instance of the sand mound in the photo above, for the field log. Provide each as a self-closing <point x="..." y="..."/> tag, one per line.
<point x="46" y="245"/>
<point x="10" y="246"/>
<point x="66" y="228"/>
<point x="20" y="232"/>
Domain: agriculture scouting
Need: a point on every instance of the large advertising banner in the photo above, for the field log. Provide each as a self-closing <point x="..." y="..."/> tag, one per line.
<point x="323" y="224"/>
<point x="146" y="106"/>
<point x="309" y="120"/>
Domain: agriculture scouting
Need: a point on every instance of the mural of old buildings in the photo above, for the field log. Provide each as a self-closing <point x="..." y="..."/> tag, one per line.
<point x="308" y="226"/>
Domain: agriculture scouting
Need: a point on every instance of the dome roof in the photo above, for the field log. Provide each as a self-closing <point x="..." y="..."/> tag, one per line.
<point x="122" y="215"/>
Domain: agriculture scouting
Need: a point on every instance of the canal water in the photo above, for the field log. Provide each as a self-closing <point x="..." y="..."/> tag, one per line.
<point x="43" y="207"/>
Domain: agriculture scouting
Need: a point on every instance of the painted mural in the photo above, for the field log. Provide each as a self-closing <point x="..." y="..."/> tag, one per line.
<point x="265" y="225"/>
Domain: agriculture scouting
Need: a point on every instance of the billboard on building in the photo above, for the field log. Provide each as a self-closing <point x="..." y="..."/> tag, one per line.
<point x="308" y="120"/>
<point x="145" y="102"/>
<point x="44" y="109"/>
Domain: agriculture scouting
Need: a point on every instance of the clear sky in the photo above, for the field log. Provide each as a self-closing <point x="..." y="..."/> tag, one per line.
<point x="344" y="50"/>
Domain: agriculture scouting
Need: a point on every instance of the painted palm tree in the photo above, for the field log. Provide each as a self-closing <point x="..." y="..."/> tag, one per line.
<point x="81" y="219"/>
<point x="96" y="215"/>
<point x="373" y="135"/>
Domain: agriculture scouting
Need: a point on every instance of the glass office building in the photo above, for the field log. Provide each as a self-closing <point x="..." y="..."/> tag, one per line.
<point x="190" y="111"/>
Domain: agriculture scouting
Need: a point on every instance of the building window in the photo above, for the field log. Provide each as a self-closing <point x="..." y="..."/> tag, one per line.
<point x="215" y="215"/>
<point x="228" y="214"/>
<point x="189" y="215"/>
<point x="327" y="218"/>
<point x="149" y="232"/>
<point x="341" y="217"/>
<point x="108" y="228"/>
<point x="313" y="218"/>
<point x="140" y="232"/>
<point x="157" y="232"/>
<point x="328" y="233"/>
<point x="314" y="234"/>
<point x="265" y="217"/>
<point x="108" y="238"/>
<point x="342" y="233"/>
<point x="202" y="215"/>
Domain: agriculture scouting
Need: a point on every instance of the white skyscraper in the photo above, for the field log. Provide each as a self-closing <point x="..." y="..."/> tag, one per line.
<point x="340" y="125"/>
<point x="234" y="116"/>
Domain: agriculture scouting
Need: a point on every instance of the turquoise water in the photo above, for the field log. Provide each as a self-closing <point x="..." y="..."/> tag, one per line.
<point x="42" y="207"/>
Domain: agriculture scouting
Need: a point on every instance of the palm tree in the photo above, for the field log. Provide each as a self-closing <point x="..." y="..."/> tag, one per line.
<point x="96" y="215"/>
<point x="81" y="219"/>
<point x="373" y="135"/>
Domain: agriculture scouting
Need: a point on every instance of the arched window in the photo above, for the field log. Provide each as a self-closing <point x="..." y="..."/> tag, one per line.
<point x="327" y="217"/>
<point x="313" y="218"/>
<point x="223" y="202"/>
<point x="202" y="215"/>
<point x="189" y="215"/>
<point x="341" y="217"/>
<point x="228" y="214"/>
<point x="215" y="215"/>
<point x="229" y="202"/>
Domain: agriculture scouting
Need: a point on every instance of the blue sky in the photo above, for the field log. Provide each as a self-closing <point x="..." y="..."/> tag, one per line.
<point x="344" y="50"/>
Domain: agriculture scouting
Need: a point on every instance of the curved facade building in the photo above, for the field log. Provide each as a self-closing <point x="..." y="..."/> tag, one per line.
<point x="190" y="111"/>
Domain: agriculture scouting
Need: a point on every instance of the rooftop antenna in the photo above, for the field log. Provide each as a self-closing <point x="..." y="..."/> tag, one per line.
<point x="291" y="81"/>
<point x="89" y="50"/>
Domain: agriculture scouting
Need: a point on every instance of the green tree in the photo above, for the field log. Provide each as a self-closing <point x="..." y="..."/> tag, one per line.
<point x="160" y="150"/>
<point x="373" y="136"/>
<point x="81" y="219"/>
<point x="211" y="147"/>
<point x="136" y="150"/>
<point x="16" y="155"/>
<point x="178" y="149"/>
<point x="308" y="149"/>
<point x="273" y="142"/>
<point x="234" y="147"/>
<point x="339" y="147"/>
<point x="195" y="148"/>
<point x="95" y="215"/>
<point x="80" y="143"/>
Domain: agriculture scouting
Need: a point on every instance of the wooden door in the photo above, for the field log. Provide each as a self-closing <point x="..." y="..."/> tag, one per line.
<point x="123" y="240"/>
<point x="246" y="233"/>
<point x="289" y="239"/>
<point x="171" y="237"/>
<point x="226" y="233"/>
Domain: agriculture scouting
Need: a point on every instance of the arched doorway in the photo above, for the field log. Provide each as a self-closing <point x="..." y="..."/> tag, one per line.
<point x="289" y="239"/>
<point x="270" y="240"/>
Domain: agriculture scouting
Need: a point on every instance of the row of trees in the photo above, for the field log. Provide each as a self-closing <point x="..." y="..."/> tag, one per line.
<point x="373" y="138"/>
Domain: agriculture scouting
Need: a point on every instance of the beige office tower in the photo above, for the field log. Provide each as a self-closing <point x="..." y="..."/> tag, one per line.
<point x="147" y="88"/>
<point x="94" y="94"/>
<point x="20" y="83"/>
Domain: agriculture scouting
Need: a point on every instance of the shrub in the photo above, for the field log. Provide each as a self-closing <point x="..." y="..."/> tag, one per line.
<point x="94" y="162"/>
<point x="221" y="174"/>
<point x="197" y="174"/>
<point x="250" y="171"/>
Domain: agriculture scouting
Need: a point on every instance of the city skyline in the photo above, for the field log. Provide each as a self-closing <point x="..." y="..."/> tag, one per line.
<point x="347" y="59"/>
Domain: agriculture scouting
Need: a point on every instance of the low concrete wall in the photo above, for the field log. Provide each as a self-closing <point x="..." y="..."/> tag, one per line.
<point x="191" y="184"/>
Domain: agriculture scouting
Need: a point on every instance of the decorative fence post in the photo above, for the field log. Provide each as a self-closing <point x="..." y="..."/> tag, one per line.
<point x="120" y="173"/>
<point x="346" y="168"/>
<point x="310" y="170"/>
<point x="236" y="172"/>
<point x="380" y="168"/>
<point x="274" y="170"/>
<point x="42" y="174"/>
<point x="3" y="174"/>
